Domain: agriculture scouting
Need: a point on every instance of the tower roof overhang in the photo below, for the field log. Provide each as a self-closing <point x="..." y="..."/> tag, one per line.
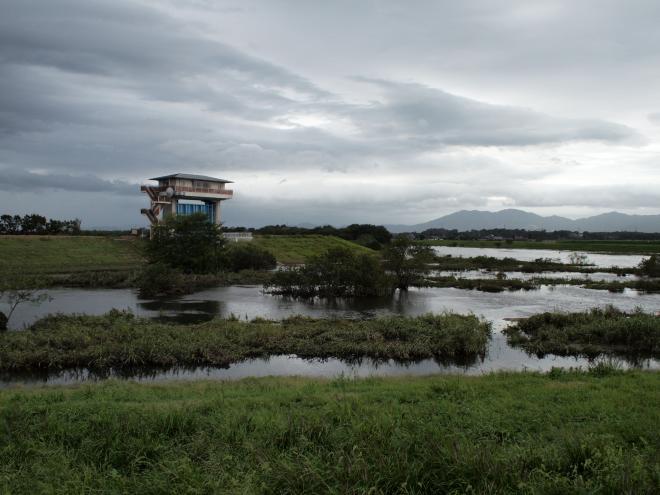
<point x="192" y="177"/>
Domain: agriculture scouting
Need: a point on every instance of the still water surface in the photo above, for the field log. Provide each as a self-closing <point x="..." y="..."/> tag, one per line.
<point x="248" y="302"/>
<point x="492" y="274"/>
<point x="596" y="259"/>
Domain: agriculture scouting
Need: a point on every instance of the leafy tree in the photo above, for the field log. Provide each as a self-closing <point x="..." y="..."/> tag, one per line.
<point x="407" y="262"/>
<point x="33" y="224"/>
<point x="650" y="266"/>
<point x="187" y="242"/>
<point x="37" y="224"/>
<point x="55" y="226"/>
<point x="355" y="231"/>
<point x="10" y="224"/>
<point x="339" y="272"/>
<point x="160" y="279"/>
<point x="15" y="297"/>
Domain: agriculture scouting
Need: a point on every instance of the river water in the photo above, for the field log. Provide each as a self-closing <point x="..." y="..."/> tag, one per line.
<point x="248" y="302"/>
<point x="596" y="259"/>
<point x="492" y="274"/>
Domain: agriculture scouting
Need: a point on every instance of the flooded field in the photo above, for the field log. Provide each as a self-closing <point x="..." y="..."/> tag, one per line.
<point x="248" y="302"/>
<point x="492" y="274"/>
<point x="500" y="356"/>
<point x="595" y="259"/>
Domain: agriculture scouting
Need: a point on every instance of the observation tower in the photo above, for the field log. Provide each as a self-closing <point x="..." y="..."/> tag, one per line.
<point x="185" y="194"/>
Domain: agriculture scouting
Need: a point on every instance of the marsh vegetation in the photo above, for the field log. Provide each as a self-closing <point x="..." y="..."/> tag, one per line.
<point x="588" y="333"/>
<point x="119" y="340"/>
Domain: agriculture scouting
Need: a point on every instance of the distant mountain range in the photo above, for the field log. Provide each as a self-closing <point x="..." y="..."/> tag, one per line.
<point x="518" y="219"/>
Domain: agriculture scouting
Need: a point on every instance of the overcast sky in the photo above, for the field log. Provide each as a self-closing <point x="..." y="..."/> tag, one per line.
<point x="331" y="112"/>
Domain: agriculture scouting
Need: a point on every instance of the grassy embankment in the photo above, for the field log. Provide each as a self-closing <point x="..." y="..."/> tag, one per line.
<point x="44" y="261"/>
<point x="292" y="249"/>
<point x="67" y="254"/>
<point x="564" y="432"/>
<point x="86" y="261"/>
<point x="589" y="333"/>
<point x="120" y="341"/>
<point x="612" y="247"/>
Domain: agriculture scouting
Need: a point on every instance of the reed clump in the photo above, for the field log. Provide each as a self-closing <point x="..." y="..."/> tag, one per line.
<point x="589" y="333"/>
<point x="118" y="340"/>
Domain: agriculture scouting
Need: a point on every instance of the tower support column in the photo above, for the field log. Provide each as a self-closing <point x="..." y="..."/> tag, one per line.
<point x="216" y="212"/>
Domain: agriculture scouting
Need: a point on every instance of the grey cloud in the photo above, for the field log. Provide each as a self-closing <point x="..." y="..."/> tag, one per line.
<point x="142" y="49"/>
<point x="431" y="117"/>
<point x="98" y="95"/>
<point x="654" y="117"/>
<point x="19" y="180"/>
<point x="618" y="196"/>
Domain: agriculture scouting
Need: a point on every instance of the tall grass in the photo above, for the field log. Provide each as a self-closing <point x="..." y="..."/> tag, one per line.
<point x="117" y="340"/>
<point x="503" y="433"/>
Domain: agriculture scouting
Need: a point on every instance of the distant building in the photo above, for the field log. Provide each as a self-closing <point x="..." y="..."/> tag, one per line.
<point x="185" y="194"/>
<point x="237" y="236"/>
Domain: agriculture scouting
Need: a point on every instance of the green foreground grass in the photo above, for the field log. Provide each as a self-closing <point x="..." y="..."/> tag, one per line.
<point x="565" y="432"/>
<point x="292" y="249"/>
<point x="613" y="247"/>
<point x="119" y="341"/>
<point x="66" y="254"/>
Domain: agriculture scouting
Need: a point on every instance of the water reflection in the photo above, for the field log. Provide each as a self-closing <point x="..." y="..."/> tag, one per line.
<point x="597" y="259"/>
<point x="492" y="274"/>
<point x="248" y="302"/>
<point x="183" y="311"/>
<point x="500" y="356"/>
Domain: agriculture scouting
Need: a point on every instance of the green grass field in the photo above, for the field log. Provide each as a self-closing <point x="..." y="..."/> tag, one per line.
<point x="563" y="432"/>
<point x="614" y="247"/>
<point x="291" y="249"/>
<point x="66" y="254"/>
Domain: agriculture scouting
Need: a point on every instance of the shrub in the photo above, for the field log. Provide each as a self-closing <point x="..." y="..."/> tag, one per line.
<point x="247" y="256"/>
<point x="588" y="333"/>
<point x="339" y="272"/>
<point x="159" y="279"/>
<point x="407" y="262"/>
<point x="190" y="243"/>
<point x="650" y="266"/>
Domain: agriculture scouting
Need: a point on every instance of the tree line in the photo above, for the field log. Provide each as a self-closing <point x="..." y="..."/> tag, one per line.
<point x="36" y="224"/>
<point x="534" y="235"/>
